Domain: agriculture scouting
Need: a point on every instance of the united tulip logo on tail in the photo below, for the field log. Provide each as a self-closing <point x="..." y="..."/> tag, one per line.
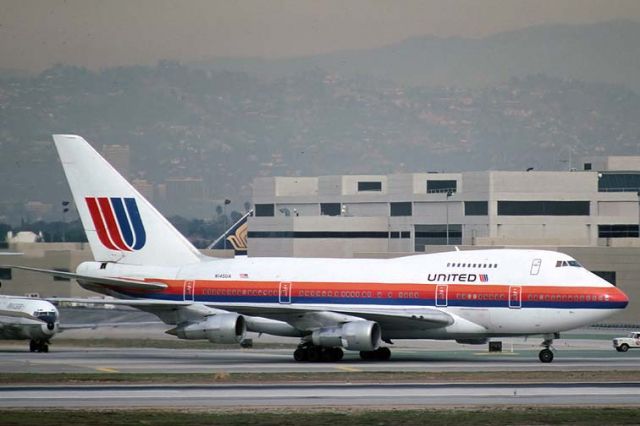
<point x="118" y="223"/>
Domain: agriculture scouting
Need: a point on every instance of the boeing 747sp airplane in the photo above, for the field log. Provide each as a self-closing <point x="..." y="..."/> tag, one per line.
<point x="330" y="304"/>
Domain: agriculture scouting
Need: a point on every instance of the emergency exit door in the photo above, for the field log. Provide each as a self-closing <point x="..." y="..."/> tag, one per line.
<point x="189" y="290"/>
<point x="284" y="295"/>
<point x="441" y="294"/>
<point x="515" y="297"/>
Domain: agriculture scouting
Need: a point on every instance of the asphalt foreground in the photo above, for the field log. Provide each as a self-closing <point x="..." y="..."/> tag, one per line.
<point x="588" y="384"/>
<point x="310" y="417"/>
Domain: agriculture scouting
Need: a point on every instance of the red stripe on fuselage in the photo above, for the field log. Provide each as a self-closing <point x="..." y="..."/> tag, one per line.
<point x="112" y="226"/>
<point x="395" y="291"/>
<point x="94" y="210"/>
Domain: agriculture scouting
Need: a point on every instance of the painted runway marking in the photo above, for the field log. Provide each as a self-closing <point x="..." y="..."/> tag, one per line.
<point x="348" y="369"/>
<point x="107" y="370"/>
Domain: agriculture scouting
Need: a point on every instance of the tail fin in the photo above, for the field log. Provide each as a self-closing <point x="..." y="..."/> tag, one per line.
<point x="121" y="225"/>
<point x="234" y="237"/>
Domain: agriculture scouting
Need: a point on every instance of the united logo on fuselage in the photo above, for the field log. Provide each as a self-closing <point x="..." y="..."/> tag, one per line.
<point x="118" y="223"/>
<point x="462" y="278"/>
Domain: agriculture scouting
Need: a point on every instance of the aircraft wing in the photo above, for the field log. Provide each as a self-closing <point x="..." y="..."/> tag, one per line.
<point x="388" y="318"/>
<point x="124" y="302"/>
<point x="93" y="326"/>
<point x="127" y="283"/>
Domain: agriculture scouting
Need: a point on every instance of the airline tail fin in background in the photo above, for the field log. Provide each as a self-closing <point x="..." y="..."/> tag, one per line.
<point x="235" y="237"/>
<point x="121" y="225"/>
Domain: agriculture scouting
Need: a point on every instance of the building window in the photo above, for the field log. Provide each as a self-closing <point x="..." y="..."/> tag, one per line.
<point x="441" y="186"/>
<point x="401" y="209"/>
<point x="587" y="166"/>
<point x="369" y="186"/>
<point x="56" y="278"/>
<point x="5" y="273"/>
<point x="264" y="210"/>
<point x="476" y="208"/>
<point x="405" y="234"/>
<point x="330" y="209"/>
<point x="619" y="182"/>
<point x="618" y="231"/>
<point x="543" y="208"/>
<point x="609" y="276"/>
<point x="436" y="235"/>
<point x="394" y="234"/>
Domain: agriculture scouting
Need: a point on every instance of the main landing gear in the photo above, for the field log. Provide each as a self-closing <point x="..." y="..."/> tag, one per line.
<point x="380" y="354"/>
<point x="546" y="355"/>
<point x="313" y="353"/>
<point x="38" y="346"/>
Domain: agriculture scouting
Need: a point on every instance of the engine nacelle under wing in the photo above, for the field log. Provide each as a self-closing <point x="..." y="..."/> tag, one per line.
<point x="355" y="336"/>
<point x="219" y="328"/>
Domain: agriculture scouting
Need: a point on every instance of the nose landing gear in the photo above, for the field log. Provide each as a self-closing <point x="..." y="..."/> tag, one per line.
<point x="38" y="346"/>
<point x="546" y="355"/>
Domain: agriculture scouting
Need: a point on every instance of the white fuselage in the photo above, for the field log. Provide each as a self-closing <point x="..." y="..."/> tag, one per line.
<point x="487" y="292"/>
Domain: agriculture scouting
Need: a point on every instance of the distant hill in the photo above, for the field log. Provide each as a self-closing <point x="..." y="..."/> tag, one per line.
<point x="606" y="52"/>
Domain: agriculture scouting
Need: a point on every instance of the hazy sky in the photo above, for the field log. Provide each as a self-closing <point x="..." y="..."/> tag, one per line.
<point x="35" y="34"/>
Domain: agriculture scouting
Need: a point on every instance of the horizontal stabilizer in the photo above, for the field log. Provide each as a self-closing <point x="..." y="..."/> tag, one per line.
<point x="125" y="283"/>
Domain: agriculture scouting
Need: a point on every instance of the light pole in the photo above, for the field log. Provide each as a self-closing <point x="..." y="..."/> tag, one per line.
<point x="224" y="213"/>
<point x="65" y="209"/>
<point x="447" y="207"/>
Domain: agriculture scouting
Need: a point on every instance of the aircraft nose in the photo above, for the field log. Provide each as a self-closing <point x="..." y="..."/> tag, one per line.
<point x="621" y="298"/>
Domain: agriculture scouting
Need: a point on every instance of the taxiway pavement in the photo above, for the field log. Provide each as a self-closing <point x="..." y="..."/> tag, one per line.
<point x="319" y="395"/>
<point x="17" y="359"/>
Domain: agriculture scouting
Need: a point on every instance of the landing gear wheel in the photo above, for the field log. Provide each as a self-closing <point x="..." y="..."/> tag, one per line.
<point x="33" y="346"/>
<point x="314" y="353"/>
<point x="366" y="355"/>
<point x="300" y="354"/>
<point x="383" y="354"/>
<point x="44" y="348"/>
<point x="545" y="355"/>
<point x="380" y="354"/>
<point x="624" y="347"/>
<point x="332" y="354"/>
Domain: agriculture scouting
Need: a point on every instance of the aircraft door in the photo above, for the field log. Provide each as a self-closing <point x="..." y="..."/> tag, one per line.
<point x="441" y="294"/>
<point x="535" y="266"/>
<point x="515" y="297"/>
<point x="284" y="295"/>
<point x="189" y="290"/>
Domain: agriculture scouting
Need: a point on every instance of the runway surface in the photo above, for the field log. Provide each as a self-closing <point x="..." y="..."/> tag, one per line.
<point x="320" y="395"/>
<point x="16" y="359"/>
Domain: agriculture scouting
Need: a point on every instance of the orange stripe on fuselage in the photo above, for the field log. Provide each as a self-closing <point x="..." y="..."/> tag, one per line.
<point x="382" y="290"/>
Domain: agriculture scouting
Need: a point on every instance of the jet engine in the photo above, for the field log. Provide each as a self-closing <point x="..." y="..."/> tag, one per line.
<point x="219" y="328"/>
<point x="355" y="336"/>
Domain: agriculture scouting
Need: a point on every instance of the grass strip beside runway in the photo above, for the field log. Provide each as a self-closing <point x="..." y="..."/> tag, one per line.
<point x="366" y="416"/>
<point x="107" y="377"/>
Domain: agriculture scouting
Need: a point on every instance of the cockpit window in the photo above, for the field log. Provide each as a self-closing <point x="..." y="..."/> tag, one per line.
<point x="46" y="316"/>
<point x="561" y="263"/>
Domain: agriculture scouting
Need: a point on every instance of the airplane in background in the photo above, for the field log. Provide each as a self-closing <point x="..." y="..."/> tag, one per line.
<point x="330" y="304"/>
<point x="235" y="237"/>
<point x="25" y="318"/>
